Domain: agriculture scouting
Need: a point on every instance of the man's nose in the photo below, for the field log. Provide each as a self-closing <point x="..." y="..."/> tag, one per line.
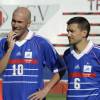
<point x="15" y="24"/>
<point x="69" y="34"/>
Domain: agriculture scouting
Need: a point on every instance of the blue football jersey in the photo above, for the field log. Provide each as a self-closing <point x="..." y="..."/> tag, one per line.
<point x="83" y="73"/>
<point x="24" y="73"/>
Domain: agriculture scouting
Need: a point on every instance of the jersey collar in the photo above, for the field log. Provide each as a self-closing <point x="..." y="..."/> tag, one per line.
<point x="86" y="50"/>
<point x="28" y="37"/>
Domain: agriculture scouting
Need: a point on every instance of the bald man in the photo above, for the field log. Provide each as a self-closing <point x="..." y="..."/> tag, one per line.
<point x="23" y="56"/>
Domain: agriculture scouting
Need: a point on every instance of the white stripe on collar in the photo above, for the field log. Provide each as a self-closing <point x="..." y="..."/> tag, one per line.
<point x="28" y="37"/>
<point x="86" y="50"/>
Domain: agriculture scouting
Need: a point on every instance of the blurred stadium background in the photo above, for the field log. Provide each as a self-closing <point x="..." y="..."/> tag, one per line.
<point x="49" y="20"/>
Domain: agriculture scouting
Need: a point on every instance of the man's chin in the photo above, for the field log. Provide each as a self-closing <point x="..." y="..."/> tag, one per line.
<point x="71" y="43"/>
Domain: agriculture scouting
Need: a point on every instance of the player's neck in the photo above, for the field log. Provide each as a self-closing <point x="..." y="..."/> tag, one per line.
<point x="80" y="46"/>
<point x="22" y="37"/>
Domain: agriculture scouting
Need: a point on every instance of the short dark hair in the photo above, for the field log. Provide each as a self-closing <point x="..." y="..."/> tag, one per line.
<point x="82" y="22"/>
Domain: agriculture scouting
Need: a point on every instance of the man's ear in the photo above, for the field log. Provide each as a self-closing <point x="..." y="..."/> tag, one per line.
<point x="29" y="23"/>
<point x="84" y="33"/>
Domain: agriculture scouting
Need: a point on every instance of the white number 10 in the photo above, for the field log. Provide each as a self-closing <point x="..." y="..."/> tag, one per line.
<point x="17" y="70"/>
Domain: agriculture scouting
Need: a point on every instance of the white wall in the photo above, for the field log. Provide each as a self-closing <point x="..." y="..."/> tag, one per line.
<point x="54" y="22"/>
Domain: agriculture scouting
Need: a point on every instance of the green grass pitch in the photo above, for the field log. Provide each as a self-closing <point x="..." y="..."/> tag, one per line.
<point x="56" y="97"/>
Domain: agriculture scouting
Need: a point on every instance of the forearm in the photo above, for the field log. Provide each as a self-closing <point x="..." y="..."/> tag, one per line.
<point x="55" y="79"/>
<point x="39" y="95"/>
<point x="4" y="60"/>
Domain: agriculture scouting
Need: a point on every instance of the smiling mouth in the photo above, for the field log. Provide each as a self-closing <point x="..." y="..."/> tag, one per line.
<point x="16" y="30"/>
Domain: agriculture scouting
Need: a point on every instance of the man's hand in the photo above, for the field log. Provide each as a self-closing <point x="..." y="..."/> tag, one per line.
<point x="11" y="39"/>
<point x="39" y="95"/>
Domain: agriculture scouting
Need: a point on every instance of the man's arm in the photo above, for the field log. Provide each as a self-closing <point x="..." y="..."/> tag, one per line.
<point x="42" y="93"/>
<point x="5" y="58"/>
<point x="55" y="63"/>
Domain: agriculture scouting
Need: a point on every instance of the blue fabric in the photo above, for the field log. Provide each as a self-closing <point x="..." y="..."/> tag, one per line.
<point x="83" y="74"/>
<point x="24" y="73"/>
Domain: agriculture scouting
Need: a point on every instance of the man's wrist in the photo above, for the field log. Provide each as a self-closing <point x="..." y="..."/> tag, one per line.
<point x="9" y="49"/>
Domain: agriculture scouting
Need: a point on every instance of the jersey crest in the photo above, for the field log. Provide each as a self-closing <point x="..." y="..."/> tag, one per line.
<point x="28" y="54"/>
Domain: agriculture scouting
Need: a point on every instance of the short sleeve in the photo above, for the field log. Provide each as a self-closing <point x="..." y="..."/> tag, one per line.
<point x="52" y="60"/>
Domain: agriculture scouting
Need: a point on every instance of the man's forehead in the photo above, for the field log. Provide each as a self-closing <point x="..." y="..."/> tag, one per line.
<point x="73" y="25"/>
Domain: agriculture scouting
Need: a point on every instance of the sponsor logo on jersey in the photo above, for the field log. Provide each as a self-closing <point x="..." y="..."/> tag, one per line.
<point x="77" y="67"/>
<point x="18" y="53"/>
<point x="28" y="54"/>
<point x="28" y="50"/>
<point x="87" y="68"/>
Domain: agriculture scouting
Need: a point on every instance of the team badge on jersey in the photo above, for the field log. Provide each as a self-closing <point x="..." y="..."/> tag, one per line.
<point x="87" y="68"/>
<point x="28" y="54"/>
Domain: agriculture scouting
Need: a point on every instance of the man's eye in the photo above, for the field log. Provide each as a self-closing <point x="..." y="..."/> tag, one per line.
<point x="71" y="31"/>
<point x="67" y="30"/>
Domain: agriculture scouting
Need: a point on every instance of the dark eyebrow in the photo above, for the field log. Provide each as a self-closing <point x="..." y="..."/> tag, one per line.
<point x="69" y="30"/>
